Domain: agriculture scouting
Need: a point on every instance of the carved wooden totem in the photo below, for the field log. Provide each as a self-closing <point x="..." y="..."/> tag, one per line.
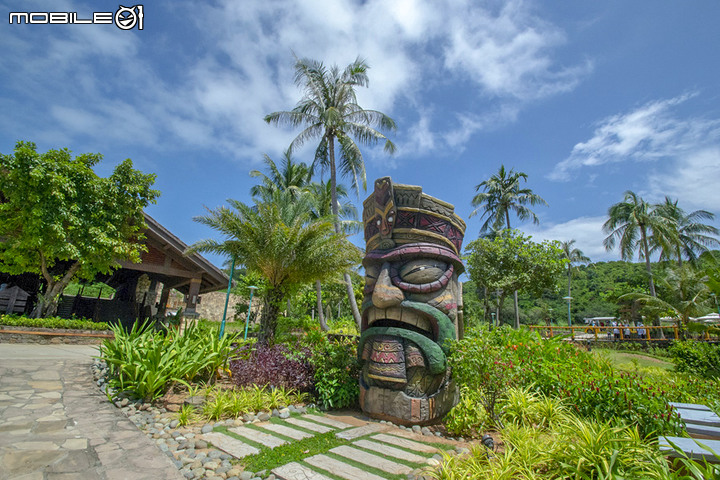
<point x="412" y="304"/>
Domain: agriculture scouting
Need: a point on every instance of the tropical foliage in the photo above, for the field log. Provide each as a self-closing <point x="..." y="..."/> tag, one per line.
<point x="277" y="241"/>
<point x="144" y="362"/>
<point x="329" y="111"/>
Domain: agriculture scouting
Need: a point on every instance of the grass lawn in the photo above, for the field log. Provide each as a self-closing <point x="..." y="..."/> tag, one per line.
<point x="628" y="361"/>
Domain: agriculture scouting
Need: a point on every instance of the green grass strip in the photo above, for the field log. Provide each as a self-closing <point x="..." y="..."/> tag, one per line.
<point x="295" y="451"/>
<point x="367" y="468"/>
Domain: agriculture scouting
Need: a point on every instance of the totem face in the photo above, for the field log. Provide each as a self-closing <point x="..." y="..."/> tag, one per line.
<point x="412" y="304"/>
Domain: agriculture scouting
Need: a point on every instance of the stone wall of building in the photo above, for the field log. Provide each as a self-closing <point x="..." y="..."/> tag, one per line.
<point x="212" y="304"/>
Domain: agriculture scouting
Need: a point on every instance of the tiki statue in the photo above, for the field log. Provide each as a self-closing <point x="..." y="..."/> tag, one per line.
<point x="412" y="304"/>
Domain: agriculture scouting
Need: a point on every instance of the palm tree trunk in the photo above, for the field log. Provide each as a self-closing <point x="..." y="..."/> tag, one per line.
<point x="268" y="320"/>
<point x="646" y="252"/>
<point x="517" y="310"/>
<point x="336" y="221"/>
<point x="321" y="317"/>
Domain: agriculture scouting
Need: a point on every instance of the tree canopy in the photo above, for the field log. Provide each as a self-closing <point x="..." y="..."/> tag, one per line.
<point x="512" y="262"/>
<point x="60" y="220"/>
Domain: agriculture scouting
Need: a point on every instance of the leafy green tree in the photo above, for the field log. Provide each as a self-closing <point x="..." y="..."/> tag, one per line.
<point x="574" y="256"/>
<point x="329" y="111"/>
<point x="501" y="195"/>
<point x="512" y="262"/>
<point x="62" y="221"/>
<point x="690" y="238"/>
<point x="277" y="240"/>
<point x="630" y="224"/>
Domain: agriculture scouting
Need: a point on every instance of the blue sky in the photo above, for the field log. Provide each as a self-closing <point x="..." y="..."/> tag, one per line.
<point x="588" y="98"/>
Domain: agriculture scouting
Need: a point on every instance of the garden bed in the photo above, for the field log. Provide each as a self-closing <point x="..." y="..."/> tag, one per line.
<point x="17" y="334"/>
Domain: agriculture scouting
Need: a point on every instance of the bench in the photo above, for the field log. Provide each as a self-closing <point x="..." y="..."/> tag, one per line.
<point x="708" y="450"/>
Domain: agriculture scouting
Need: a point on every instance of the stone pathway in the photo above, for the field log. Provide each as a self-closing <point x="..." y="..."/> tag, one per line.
<point x="380" y="448"/>
<point x="56" y="425"/>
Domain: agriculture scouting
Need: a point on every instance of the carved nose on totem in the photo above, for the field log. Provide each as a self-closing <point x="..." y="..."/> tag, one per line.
<point x="386" y="294"/>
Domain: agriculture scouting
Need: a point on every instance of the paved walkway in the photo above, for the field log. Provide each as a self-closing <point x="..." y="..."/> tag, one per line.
<point x="56" y="425"/>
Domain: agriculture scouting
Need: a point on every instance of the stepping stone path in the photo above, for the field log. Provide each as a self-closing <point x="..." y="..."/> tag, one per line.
<point x="370" y="445"/>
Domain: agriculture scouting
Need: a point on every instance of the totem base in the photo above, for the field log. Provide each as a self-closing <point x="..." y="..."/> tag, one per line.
<point x="397" y="407"/>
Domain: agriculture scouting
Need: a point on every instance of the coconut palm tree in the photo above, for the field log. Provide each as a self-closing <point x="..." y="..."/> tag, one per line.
<point x="321" y="206"/>
<point x="574" y="256"/>
<point x="684" y="294"/>
<point x="630" y="224"/>
<point x="278" y="241"/>
<point x="690" y="238"/>
<point x="501" y="195"/>
<point x="329" y="111"/>
<point x="290" y="176"/>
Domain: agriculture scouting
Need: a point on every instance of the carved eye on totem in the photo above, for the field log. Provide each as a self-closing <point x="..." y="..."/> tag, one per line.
<point x="422" y="275"/>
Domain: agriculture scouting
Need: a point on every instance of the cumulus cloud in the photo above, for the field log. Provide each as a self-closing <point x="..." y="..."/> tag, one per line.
<point x="653" y="131"/>
<point x="234" y="65"/>
<point x="586" y="231"/>
<point x="693" y="179"/>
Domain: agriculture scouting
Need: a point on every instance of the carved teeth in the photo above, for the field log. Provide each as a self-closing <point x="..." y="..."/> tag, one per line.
<point x="399" y="314"/>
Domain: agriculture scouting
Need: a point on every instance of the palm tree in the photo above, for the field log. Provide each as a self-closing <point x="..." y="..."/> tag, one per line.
<point x="691" y="237"/>
<point x="630" y="224"/>
<point x="321" y="206"/>
<point x="502" y="194"/>
<point x="290" y="176"/>
<point x="276" y="240"/>
<point x="574" y="256"/>
<point x="684" y="291"/>
<point x="329" y="111"/>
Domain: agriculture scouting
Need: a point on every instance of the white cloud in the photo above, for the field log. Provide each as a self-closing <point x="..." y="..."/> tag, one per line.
<point x="650" y="132"/>
<point x="509" y="53"/>
<point x="217" y="100"/>
<point x="586" y="231"/>
<point x="693" y="180"/>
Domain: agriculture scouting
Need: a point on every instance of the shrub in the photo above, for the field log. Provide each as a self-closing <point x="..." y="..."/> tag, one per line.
<point x="336" y="371"/>
<point x="469" y="416"/>
<point x="275" y="366"/>
<point x="702" y="359"/>
<point x="146" y="363"/>
<point x="52" y="322"/>
<point x="573" y="448"/>
<point x="489" y="362"/>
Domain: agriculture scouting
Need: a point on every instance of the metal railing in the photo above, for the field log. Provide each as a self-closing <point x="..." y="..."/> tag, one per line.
<point x="621" y="333"/>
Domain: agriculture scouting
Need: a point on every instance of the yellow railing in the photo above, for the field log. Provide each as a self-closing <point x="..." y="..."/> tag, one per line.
<point x="615" y="333"/>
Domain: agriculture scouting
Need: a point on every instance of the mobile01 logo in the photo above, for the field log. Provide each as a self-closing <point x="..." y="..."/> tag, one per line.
<point x="125" y="18"/>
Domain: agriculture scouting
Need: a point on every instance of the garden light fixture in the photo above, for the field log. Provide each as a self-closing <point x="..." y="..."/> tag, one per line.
<point x="569" y="300"/>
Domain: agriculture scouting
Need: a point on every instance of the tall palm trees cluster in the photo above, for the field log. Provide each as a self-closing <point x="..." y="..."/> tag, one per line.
<point x="295" y="230"/>
<point x="675" y="236"/>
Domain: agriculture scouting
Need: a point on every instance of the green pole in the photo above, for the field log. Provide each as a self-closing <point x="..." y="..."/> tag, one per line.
<point x="247" y="317"/>
<point x="227" y="297"/>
